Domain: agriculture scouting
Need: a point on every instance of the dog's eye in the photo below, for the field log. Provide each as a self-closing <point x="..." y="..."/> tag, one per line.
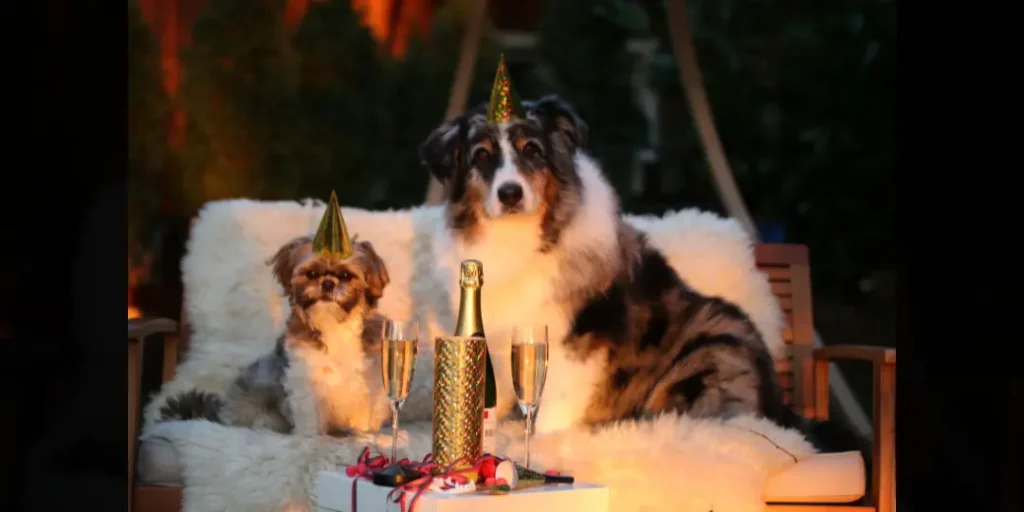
<point x="481" y="155"/>
<point x="346" y="276"/>
<point x="312" y="274"/>
<point x="531" y="149"/>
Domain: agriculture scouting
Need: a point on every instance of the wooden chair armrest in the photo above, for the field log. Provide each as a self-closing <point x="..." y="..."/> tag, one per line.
<point x="141" y="328"/>
<point x="883" y="355"/>
<point x="882" y="492"/>
<point x="139" y="331"/>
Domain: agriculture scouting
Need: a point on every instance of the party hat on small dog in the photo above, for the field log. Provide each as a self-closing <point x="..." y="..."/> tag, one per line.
<point x="332" y="237"/>
<point x="504" y="103"/>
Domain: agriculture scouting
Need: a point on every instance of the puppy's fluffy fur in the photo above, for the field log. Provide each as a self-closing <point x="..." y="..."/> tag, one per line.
<point x="628" y="337"/>
<point x="323" y="375"/>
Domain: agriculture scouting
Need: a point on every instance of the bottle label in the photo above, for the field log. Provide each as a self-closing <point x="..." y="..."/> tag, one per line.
<point x="490" y="430"/>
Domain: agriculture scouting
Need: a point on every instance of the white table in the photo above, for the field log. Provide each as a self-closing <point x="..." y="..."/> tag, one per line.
<point x="332" y="493"/>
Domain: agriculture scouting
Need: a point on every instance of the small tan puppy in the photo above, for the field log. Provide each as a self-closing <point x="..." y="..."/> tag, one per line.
<point x="323" y="375"/>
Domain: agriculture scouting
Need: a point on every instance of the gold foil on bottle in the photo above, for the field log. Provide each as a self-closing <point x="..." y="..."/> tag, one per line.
<point x="471" y="274"/>
<point x="458" y="398"/>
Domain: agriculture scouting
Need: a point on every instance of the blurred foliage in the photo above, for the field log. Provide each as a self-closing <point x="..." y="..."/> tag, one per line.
<point x="279" y="114"/>
<point x="148" y="117"/>
<point x="802" y="93"/>
<point x="240" y="93"/>
<point x="369" y="112"/>
<point x="340" y="81"/>
<point x="582" y="57"/>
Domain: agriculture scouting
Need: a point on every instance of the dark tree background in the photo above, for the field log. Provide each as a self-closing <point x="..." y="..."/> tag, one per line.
<point x="802" y="93"/>
<point x="148" y="118"/>
<point x="366" y="112"/>
<point x="582" y="57"/>
<point x="240" y="92"/>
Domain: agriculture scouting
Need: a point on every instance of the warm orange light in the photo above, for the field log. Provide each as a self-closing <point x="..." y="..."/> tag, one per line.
<point x="376" y="16"/>
<point x="136" y="274"/>
<point x="133" y="312"/>
<point x="393" y="29"/>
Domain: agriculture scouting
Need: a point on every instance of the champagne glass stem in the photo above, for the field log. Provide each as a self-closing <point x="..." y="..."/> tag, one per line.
<point x="394" y="431"/>
<point x="529" y="427"/>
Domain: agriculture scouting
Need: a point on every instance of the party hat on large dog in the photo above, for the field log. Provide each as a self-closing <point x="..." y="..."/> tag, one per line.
<point x="332" y="237"/>
<point x="504" y="102"/>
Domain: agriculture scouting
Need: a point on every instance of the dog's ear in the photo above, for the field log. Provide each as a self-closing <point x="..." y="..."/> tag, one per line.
<point x="443" y="151"/>
<point x="556" y="114"/>
<point x="439" y="152"/>
<point x="283" y="262"/>
<point x="376" y="272"/>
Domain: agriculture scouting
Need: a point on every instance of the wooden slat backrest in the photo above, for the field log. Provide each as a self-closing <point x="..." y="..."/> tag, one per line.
<point x="788" y="269"/>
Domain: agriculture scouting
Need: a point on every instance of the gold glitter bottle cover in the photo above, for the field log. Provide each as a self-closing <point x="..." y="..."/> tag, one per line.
<point x="471" y="323"/>
<point x="458" y="398"/>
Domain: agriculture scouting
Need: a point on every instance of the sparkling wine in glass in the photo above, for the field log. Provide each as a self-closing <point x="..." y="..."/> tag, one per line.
<point x="529" y="371"/>
<point x="399" y="347"/>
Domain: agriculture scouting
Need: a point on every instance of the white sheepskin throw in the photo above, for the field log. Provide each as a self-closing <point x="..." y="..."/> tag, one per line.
<point x="669" y="463"/>
<point x="236" y="310"/>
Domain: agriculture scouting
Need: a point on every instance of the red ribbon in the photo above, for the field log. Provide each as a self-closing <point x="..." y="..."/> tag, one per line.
<point x="366" y="466"/>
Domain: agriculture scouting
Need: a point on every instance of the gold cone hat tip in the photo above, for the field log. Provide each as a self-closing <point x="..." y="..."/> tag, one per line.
<point x="332" y="236"/>
<point x="504" y="102"/>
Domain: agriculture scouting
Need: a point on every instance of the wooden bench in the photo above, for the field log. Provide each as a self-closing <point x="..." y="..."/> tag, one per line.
<point x="804" y="376"/>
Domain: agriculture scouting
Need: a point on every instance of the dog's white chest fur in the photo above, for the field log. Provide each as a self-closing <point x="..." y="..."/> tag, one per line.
<point x="530" y="300"/>
<point x="338" y="387"/>
<point x="521" y="286"/>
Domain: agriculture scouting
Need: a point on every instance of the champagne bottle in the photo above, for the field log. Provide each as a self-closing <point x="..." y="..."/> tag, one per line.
<point x="471" y="323"/>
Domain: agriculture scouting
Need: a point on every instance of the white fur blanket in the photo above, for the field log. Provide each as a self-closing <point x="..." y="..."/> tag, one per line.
<point x="236" y="310"/>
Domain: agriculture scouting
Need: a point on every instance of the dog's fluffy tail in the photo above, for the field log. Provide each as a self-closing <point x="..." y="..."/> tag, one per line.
<point x="192" y="405"/>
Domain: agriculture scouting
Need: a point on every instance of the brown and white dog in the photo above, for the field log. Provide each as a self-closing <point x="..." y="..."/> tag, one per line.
<point x="628" y="337"/>
<point x="323" y="375"/>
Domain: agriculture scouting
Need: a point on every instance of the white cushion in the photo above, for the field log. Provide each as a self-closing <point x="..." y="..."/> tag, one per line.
<point x="819" y="478"/>
<point x="158" y="463"/>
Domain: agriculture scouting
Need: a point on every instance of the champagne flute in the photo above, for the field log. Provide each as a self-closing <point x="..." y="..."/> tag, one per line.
<point x="399" y="347"/>
<point x="529" y="371"/>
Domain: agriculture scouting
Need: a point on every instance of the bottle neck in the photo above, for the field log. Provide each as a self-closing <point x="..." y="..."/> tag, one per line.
<point x="470" y="322"/>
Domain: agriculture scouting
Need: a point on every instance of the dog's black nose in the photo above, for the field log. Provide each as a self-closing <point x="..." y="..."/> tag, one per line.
<point x="327" y="285"/>
<point x="510" y="194"/>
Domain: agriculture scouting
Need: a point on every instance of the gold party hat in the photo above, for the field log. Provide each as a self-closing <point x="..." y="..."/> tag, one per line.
<point x="504" y="102"/>
<point x="332" y="237"/>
